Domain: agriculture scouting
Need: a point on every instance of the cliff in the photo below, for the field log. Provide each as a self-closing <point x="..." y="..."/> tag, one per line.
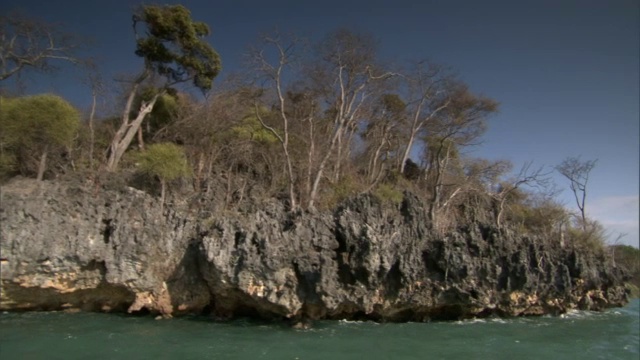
<point x="73" y="246"/>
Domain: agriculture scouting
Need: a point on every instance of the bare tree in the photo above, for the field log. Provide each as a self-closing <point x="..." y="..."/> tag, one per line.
<point x="203" y="128"/>
<point x="460" y="123"/>
<point x="577" y="171"/>
<point x="95" y="81"/>
<point x="536" y="178"/>
<point x="480" y="175"/>
<point x="387" y="117"/>
<point x="28" y="43"/>
<point x="428" y="96"/>
<point x="345" y="76"/>
<point x="274" y="72"/>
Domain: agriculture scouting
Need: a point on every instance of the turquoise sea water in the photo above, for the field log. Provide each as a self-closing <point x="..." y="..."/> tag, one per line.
<point x="613" y="334"/>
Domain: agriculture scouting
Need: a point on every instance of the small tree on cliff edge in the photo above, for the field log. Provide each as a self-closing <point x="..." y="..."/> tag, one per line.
<point x="577" y="171"/>
<point x="35" y="126"/>
<point x="167" y="161"/>
<point x="172" y="47"/>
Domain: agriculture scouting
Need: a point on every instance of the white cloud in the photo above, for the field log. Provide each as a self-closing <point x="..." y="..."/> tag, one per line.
<point x="619" y="215"/>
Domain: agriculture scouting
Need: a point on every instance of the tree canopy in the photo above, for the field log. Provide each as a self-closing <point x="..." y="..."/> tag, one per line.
<point x="36" y="125"/>
<point x="164" y="160"/>
<point x="173" y="46"/>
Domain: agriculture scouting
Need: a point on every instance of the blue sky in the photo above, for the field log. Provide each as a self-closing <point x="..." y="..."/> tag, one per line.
<point x="565" y="72"/>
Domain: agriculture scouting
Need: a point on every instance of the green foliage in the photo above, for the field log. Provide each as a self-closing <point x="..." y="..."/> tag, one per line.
<point x="388" y="193"/>
<point x="32" y="125"/>
<point x="591" y="235"/>
<point x="42" y="119"/>
<point x="251" y="129"/>
<point x="343" y="189"/>
<point x="7" y="164"/>
<point x="545" y="217"/>
<point x="173" y="45"/>
<point x="438" y="148"/>
<point x="412" y="170"/>
<point x="393" y="103"/>
<point x="164" y="160"/>
<point x="628" y="257"/>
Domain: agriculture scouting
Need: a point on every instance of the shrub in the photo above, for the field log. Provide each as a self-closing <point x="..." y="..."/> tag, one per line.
<point x="167" y="161"/>
<point x="591" y="235"/>
<point x="33" y="127"/>
<point x="341" y="190"/>
<point x="388" y="193"/>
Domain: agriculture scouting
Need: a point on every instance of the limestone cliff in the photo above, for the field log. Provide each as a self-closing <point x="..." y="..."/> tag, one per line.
<point x="72" y="246"/>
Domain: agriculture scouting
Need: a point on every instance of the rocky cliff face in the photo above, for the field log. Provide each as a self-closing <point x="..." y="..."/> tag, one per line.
<point x="67" y="246"/>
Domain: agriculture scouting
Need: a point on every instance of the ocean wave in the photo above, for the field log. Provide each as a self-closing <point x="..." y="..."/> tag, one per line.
<point x="581" y="314"/>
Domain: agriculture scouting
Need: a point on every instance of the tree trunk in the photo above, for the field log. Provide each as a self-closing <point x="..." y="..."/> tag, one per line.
<point x="316" y="181"/>
<point x="500" y="211"/>
<point x="292" y="193"/>
<point x="336" y="166"/>
<point x="437" y="186"/>
<point x="227" y="194"/>
<point x="91" y="131"/>
<point x="163" y="185"/>
<point x="43" y="165"/>
<point x="127" y="131"/>
<point x="310" y="157"/>
<point x="198" y="175"/>
<point x="373" y="164"/>
<point x="407" y="150"/>
<point x="415" y="127"/>
<point x="140" y="138"/>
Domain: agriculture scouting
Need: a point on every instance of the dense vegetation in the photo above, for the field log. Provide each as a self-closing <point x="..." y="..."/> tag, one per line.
<point x="629" y="258"/>
<point x="307" y="124"/>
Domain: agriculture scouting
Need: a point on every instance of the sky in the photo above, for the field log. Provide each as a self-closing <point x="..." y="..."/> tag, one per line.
<point x="566" y="72"/>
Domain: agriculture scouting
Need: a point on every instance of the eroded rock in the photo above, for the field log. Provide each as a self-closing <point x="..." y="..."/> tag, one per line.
<point x="69" y="246"/>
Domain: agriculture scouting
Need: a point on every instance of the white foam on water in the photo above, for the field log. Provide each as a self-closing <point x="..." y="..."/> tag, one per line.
<point x="579" y="314"/>
<point x="471" y="321"/>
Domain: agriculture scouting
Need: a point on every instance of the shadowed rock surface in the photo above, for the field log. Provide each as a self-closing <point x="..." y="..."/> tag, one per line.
<point x="70" y="246"/>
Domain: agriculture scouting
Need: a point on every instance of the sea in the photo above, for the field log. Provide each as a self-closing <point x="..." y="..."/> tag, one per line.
<point x="612" y="334"/>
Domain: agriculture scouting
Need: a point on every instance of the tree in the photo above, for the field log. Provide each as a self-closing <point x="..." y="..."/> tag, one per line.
<point x="460" y="121"/>
<point x="346" y="75"/>
<point x="274" y="73"/>
<point x="27" y="43"/>
<point x="37" y="124"/>
<point x="629" y="258"/>
<point x="163" y="113"/>
<point x="324" y="114"/>
<point x="428" y="95"/>
<point x="527" y="177"/>
<point x="173" y="48"/>
<point x="387" y="116"/>
<point x="477" y="177"/>
<point x="94" y="80"/>
<point x="167" y="161"/>
<point x="577" y="171"/>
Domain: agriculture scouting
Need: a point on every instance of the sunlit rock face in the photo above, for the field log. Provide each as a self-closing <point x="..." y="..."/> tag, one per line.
<point x="68" y="246"/>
